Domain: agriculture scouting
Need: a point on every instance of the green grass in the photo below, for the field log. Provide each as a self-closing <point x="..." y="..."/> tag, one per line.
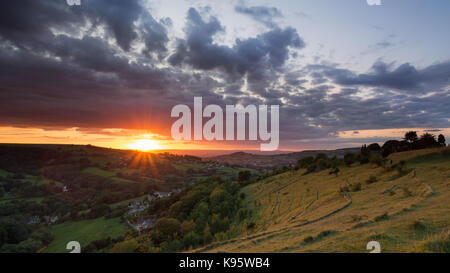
<point x="9" y="198"/>
<point x="107" y="174"/>
<point x="126" y="202"/>
<point x="233" y="172"/>
<point x="429" y="160"/>
<point x="4" y="173"/>
<point x="84" y="232"/>
<point x="98" y="172"/>
<point x="186" y="166"/>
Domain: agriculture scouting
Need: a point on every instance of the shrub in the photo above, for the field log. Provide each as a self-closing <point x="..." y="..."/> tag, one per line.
<point x="326" y="233"/>
<point x="305" y="162"/>
<point x="310" y="169"/>
<point x="382" y="217"/>
<point x="355" y="187"/>
<point x="407" y="192"/>
<point x="168" y="227"/>
<point x="344" y="189"/>
<point x="374" y="147"/>
<point x="371" y="179"/>
<point x="335" y="171"/>
<point x="191" y="240"/>
<point x="322" y="164"/>
<point x="251" y="225"/>
<point x="356" y="218"/>
<point x="349" y="159"/>
<point x="308" y="240"/>
<point x="244" y="176"/>
<point x="441" y="245"/>
<point x="418" y="225"/>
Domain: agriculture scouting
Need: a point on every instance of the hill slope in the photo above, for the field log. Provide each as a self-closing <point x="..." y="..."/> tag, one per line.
<point x="405" y="211"/>
<point x="263" y="161"/>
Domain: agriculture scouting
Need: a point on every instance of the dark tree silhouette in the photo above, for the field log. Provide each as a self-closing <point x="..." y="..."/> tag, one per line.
<point x="441" y="140"/>
<point x="411" y="137"/>
<point x="427" y="140"/>
<point x="349" y="159"/>
<point x="244" y="176"/>
<point x="374" y="147"/>
<point x="389" y="147"/>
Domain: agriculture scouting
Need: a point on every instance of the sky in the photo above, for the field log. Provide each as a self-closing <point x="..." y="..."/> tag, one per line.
<point x="107" y="73"/>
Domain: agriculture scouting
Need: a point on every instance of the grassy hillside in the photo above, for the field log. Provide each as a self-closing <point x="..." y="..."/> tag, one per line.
<point x="84" y="232"/>
<point x="406" y="210"/>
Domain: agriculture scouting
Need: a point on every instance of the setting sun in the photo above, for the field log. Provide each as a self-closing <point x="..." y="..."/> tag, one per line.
<point x="144" y="145"/>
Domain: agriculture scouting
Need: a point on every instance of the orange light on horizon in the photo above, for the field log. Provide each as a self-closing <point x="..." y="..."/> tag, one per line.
<point x="145" y="145"/>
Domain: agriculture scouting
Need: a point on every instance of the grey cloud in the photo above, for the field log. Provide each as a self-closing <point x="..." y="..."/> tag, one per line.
<point x="259" y="58"/>
<point x="28" y="23"/>
<point x="405" y="77"/>
<point x="264" y="15"/>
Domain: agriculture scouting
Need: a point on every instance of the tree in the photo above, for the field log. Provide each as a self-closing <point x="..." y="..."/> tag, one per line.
<point x="187" y="226"/>
<point x="320" y="156"/>
<point x="207" y="236"/>
<point x="168" y="227"/>
<point x="322" y="164"/>
<point x="43" y="235"/>
<point x="2" y="191"/>
<point x="100" y="210"/>
<point x="305" y="162"/>
<point x="200" y="215"/>
<point x="411" y="137"/>
<point x="374" y="147"/>
<point x="335" y="171"/>
<point x="441" y="141"/>
<point x="349" y="159"/>
<point x="129" y="246"/>
<point x="389" y="147"/>
<point x="364" y="155"/>
<point x="16" y="230"/>
<point x="191" y="239"/>
<point x="3" y="236"/>
<point x="244" y="176"/>
<point x="427" y="140"/>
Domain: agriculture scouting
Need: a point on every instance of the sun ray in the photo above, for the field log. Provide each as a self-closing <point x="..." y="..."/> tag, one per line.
<point x="144" y="145"/>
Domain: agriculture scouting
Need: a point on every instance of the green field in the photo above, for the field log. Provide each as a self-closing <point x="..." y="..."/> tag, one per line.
<point x="186" y="166"/>
<point x="102" y="173"/>
<point x="84" y="232"/>
<point x="4" y="173"/>
<point x="126" y="202"/>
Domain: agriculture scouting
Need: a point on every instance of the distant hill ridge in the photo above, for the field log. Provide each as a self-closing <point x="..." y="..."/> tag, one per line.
<point x="272" y="161"/>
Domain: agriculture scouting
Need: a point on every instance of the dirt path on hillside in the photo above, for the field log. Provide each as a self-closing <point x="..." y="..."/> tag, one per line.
<point x="259" y="236"/>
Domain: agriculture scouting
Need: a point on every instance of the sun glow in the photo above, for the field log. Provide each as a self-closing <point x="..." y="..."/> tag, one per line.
<point x="145" y="145"/>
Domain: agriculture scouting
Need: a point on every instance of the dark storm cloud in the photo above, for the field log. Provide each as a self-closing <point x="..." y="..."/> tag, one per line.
<point x="405" y="77"/>
<point x="259" y="58"/>
<point x="317" y="112"/>
<point x="267" y="50"/>
<point x="28" y="23"/>
<point x="62" y="80"/>
<point x="264" y="15"/>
